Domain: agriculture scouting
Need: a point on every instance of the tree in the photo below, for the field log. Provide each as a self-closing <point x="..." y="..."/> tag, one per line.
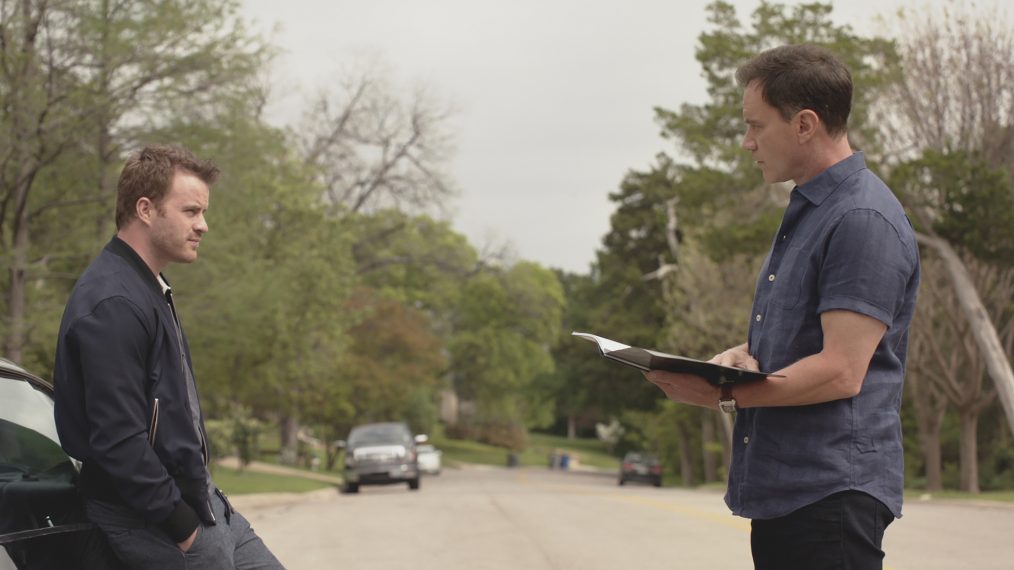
<point x="505" y="327"/>
<point x="948" y="110"/>
<point x="949" y="368"/>
<point x="702" y="218"/>
<point x="79" y="79"/>
<point x="584" y="388"/>
<point x="374" y="149"/>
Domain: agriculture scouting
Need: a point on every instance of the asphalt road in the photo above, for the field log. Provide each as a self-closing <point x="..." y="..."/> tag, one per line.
<point x="536" y="519"/>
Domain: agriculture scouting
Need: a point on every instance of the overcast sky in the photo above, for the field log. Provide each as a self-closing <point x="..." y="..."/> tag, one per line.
<point x="554" y="98"/>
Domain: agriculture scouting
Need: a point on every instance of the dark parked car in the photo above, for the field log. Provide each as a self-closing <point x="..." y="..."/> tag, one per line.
<point x="640" y="466"/>
<point x="42" y="523"/>
<point x="380" y="454"/>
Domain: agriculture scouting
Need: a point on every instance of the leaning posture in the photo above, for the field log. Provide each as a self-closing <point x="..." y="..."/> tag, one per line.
<point x="126" y="396"/>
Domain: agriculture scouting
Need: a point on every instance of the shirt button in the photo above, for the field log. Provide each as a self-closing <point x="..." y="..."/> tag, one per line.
<point x="757" y="318"/>
<point x="771" y="277"/>
<point x="746" y="439"/>
<point x="783" y="238"/>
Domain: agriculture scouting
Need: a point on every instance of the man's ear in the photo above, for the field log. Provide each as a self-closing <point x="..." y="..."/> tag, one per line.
<point x="145" y="209"/>
<point x="807" y="124"/>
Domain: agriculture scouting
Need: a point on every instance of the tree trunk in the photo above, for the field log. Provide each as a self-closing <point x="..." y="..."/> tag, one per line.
<point x="931" y="455"/>
<point x="969" y="453"/>
<point x="930" y="408"/>
<point x="288" y="441"/>
<point x="686" y="460"/>
<point x="725" y="420"/>
<point x="707" y="448"/>
<point x="571" y="427"/>
<point x="18" y="271"/>
<point x="983" y="331"/>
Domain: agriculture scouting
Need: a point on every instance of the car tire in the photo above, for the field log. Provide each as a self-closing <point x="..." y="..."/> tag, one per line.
<point x="351" y="488"/>
<point x="658" y="482"/>
<point x="413" y="484"/>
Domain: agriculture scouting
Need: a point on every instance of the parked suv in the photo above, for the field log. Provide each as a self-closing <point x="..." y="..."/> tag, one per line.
<point x="380" y="454"/>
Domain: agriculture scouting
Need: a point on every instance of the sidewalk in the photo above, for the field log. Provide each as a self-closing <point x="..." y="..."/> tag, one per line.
<point x="260" y="467"/>
<point x="254" y="501"/>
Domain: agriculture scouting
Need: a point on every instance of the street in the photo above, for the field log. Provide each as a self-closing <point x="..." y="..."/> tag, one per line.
<point x="534" y="519"/>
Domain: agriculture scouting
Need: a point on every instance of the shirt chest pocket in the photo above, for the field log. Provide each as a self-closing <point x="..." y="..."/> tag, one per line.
<point x="792" y="280"/>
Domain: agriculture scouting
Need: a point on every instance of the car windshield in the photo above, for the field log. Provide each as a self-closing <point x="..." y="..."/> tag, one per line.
<point x="639" y="458"/>
<point x="29" y="444"/>
<point x="392" y="434"/>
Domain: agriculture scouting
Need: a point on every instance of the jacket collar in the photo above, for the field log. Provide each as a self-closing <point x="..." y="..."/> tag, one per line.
<point x="119" y="247"/>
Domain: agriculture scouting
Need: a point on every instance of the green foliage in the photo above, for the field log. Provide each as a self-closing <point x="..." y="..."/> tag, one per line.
<point x="972" y="202"/>
<point x="237" y="434"/>
<point x="412" y="259"/>
<point x="582" y="384"/>
<point x="663" y="433"/>
<point x="80" y="83"/>
<point x="504" y="328"/>
<point x="395" y="363"/>
<point x="236" y="482"/>
<point x="718" y="184"/>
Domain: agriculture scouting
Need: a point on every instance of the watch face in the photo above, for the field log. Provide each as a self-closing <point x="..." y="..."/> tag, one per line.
<point x="727" y="406"/>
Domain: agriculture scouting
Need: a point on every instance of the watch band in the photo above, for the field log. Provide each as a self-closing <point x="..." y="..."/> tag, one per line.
<point x="726" y="402"/>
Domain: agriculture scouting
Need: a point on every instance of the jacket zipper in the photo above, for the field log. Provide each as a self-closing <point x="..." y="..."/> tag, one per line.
<point x="154" y="424"/>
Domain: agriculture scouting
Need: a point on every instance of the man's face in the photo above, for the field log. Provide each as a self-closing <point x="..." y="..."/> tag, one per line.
<point x="178" y="223"/>
<point x="770" y="139"/>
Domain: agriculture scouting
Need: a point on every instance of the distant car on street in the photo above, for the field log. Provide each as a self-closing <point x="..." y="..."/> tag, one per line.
<point x="640" y="466"/>
<point x="429" y="459"/>
<point x="42" y="522"/>
<point x="380" y="454"/>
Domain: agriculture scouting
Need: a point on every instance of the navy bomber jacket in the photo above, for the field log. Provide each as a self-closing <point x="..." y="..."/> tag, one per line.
<point x="121" y="395"/>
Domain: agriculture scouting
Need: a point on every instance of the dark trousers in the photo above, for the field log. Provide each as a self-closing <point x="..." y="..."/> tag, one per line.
<point x="230" y="544"/>
<point x="844" y="531"/>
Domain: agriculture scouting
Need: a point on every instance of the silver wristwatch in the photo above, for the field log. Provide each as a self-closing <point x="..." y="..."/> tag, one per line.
<point x="726" y="402"/>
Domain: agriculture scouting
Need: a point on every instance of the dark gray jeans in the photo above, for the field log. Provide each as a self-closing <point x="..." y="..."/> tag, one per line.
<point x="230" y="544"/>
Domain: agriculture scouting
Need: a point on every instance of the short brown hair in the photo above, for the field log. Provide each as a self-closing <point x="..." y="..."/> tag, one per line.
<point x="149" y="173"/>
<point x="797" y="77"/>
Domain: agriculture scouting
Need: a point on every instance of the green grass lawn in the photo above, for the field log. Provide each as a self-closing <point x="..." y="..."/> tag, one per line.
<point x="455" y="451"/>
<point x="586" y="451"/>
<point x="235" y="482"/>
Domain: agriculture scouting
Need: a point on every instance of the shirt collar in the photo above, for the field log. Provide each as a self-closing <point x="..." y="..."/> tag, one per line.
<point x="824" y="184"/>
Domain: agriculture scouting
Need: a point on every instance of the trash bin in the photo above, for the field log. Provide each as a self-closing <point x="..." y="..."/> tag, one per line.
<point x="565" y="461"/>
<point x="512" y="459"/>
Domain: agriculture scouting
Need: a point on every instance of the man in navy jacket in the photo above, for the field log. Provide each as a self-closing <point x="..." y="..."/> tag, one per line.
<point x="126" y="397"/>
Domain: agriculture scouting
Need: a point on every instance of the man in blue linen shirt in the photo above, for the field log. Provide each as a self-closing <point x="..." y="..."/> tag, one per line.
<point x="817" y="456"/>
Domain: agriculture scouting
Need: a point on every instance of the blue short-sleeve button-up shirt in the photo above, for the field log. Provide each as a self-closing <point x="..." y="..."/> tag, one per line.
<point x="845" y="243"/>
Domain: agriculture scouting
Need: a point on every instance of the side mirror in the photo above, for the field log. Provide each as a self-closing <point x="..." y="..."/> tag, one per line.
<point x="421" y="438"/>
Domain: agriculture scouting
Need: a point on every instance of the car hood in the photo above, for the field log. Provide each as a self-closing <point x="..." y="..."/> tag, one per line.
<point x="379" y="452"/>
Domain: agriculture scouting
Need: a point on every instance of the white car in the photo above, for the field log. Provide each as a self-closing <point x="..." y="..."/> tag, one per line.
<point x="429" y="459"/>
